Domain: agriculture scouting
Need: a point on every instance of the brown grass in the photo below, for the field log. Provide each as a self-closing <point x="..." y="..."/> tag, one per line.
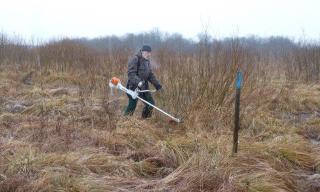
<point x="71" y="135"/>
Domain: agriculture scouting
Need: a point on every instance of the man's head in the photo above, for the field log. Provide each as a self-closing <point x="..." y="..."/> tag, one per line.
<point x="146" y="51"/>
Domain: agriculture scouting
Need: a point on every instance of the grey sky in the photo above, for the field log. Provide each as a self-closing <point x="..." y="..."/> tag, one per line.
<point x="43" y="19"/>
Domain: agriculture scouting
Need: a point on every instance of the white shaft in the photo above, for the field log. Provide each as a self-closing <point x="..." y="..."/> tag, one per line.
<point x="177" y="120"/>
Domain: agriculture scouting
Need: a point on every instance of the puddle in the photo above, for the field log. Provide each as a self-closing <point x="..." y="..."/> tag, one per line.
<point x="315" y="142"/>
<point x="300" y="117"/>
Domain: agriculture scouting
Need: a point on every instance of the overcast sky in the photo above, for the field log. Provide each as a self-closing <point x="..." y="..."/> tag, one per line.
<point x="43" y="19"/>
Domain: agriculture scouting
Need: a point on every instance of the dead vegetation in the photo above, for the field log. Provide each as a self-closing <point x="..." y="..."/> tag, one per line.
<point x="62" y="130"/>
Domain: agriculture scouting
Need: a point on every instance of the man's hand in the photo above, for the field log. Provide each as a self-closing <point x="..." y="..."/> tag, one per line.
<point x="140" y="84"/>
<point x="158" y="87"/>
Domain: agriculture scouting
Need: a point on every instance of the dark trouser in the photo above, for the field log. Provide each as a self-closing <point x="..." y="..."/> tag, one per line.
<point x="147" y="110"/>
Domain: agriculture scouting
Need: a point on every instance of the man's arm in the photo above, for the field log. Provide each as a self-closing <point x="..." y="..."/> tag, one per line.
<point x="152" y="78"/>
<point x="133" y="70"/>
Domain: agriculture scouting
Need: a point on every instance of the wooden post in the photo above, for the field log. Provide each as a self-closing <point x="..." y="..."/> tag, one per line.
<point x="237" y="112"/>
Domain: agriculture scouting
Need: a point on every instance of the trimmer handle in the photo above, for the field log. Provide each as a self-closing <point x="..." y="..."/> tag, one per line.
<point x="145" y="91"/>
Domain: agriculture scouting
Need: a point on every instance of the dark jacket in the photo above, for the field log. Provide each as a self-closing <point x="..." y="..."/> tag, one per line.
<point x="139" y="69"/>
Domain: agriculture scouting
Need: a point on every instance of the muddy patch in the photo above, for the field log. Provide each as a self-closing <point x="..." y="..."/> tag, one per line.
<point x="300" y="117"/>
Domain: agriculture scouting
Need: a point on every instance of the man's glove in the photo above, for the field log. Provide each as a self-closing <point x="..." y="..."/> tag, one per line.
<point x="140" y="84"/>
<point x="158" y="87"/>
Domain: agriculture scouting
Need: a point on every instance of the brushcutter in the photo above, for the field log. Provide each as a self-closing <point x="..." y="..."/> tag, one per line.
<point x="116" y="83"/>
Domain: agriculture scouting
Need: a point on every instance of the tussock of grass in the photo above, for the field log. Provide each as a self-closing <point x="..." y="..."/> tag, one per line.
<point x="102" y="163"/>
<point x="34" y="93"/>
<point x="56" y="180"/>
<point x="8" y="119"/>
<point x="62" y="78"/>
<point x="201" y="172"/>
<point x="47" y="107"/>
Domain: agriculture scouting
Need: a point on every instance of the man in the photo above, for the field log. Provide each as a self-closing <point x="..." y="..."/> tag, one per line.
<point x="139" y="74"/>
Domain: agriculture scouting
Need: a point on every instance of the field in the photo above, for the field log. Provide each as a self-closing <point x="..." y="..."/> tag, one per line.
<point x="61" y="128"/>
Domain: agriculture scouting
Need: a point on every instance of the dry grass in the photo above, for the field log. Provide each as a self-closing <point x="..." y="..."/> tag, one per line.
<point x="71" y="136"/>
<point x="74" y="155"/>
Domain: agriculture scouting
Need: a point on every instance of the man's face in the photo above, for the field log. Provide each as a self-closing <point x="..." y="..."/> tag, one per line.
<point x="146" y="54"/>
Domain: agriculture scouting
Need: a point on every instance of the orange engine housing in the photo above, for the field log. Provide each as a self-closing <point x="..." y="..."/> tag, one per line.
<point x="115" y="80"/>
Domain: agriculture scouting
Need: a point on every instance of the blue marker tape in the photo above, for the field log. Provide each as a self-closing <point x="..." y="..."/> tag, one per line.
<point x="239" y="80"/>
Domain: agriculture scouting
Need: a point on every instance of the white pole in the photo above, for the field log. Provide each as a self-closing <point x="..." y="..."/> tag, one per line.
<point x="177" y="120"/>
